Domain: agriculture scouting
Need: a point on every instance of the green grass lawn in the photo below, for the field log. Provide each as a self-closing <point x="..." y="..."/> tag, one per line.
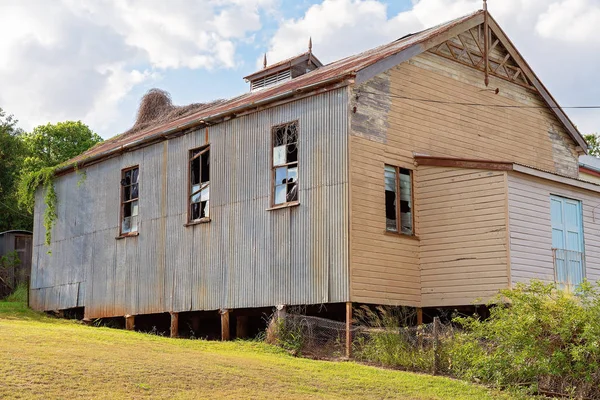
<point x="42" y="357"/>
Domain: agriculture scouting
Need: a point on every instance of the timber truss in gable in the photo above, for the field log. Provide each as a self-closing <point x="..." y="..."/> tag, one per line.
<point x="468" y="48"/>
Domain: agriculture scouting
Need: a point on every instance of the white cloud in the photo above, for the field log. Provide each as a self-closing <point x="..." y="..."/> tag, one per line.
<point x="557" y="37"/>
<point x="571" y="21"/>
<point x="69" y="59"/>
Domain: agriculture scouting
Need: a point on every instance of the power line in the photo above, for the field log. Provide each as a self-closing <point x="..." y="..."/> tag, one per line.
<point x="477" y="104"/>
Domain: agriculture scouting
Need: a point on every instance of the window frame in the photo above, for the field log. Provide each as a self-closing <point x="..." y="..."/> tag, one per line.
<point x="555" y="250"/>
<point x="201" y="150"/>
<point x="398" y="230"/>
<point x="273" y="205"/>
<point x="122" y="202"/>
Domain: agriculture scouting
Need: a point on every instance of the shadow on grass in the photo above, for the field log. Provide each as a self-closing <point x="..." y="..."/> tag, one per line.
<point x="19" y="310"/>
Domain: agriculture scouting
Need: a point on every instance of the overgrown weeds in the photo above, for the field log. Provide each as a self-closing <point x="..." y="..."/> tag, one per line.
<point x="536" y="336"/>
<point x="19" y="295"/>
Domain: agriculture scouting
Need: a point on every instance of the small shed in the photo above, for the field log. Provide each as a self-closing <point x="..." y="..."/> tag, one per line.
<point x="14" y="243"/>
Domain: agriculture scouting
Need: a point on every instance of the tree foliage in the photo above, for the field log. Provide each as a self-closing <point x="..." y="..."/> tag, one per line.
<point x="28" y="160"/>
<point x="593" y="144"/>
<point x="49" y="146"/>
<point x="12" y="154"/>
<point x="52" y="144"/>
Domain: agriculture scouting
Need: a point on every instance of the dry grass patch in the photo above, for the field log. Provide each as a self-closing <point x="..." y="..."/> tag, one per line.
<point x="42" y="357"/>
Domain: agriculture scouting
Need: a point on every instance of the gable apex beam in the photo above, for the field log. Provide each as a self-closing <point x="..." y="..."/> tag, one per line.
<point x="530" y="76"/>
<point x="406" y="54"/>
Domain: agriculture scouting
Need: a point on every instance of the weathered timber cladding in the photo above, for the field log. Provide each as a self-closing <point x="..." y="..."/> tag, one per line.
<point x="245" y="256"/>
<point x="384" y="266"/>
<point x="387" y="128"/>
<point x="463" y="234"/>
<point x="531" y="230"/>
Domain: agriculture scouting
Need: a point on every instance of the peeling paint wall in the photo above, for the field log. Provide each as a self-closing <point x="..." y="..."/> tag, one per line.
<point x="246" y="256"/>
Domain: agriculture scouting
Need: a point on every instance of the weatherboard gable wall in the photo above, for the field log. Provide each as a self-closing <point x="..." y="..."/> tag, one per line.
<point x="411" y="108"/>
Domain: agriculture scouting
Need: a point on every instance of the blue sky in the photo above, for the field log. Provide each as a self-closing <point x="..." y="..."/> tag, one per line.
<point x="92" y="61"/>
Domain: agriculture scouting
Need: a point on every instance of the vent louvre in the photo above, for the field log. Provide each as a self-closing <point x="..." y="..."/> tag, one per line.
<point x="270" y="80"/>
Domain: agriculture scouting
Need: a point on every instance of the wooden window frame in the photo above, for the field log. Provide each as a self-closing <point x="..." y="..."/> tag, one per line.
<point x="201" y="150"/>
<point x="287" y="204"/>
<point x="122" y="202"/>
<point x="398" y="230"/>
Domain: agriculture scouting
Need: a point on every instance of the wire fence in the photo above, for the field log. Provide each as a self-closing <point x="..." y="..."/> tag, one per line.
<point x="415" y="348"/>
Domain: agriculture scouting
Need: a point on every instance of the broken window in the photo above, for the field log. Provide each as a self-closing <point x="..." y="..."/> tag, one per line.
<point x="398" y="200"/>
<point x="199" y="183"/>
<point x="285" y="163"/>
<point x="129" y="200"/>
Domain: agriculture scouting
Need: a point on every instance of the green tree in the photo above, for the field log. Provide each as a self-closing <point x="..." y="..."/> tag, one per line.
<point x="593" y="144"/>
<point x="52" y="144"/>
<point x="12" y="154"/>
<point x="47" y="147"/>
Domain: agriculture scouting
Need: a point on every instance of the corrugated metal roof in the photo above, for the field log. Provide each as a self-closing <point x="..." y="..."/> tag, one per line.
<point x="345" y="67"/>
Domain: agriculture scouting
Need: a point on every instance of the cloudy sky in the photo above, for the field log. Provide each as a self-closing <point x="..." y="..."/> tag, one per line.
<point x="93" y="60"/>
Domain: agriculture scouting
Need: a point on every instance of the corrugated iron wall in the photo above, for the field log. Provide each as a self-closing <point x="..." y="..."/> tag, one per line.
<point x="246" y="256"/>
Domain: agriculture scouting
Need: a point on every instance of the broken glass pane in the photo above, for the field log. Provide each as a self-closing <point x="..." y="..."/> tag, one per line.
<point x="292" y="133"/>
<point x="205" y="167"/>
<point x="292" y="153"/>
<point x="280" y="175"/>
<point x="204" y="194"/>
<point x="134" y="191"/>
<point x="292" y="192"/>
<point x="279" y="155"/>
<point x="126" y="225"/>
<point x="127" y="177"/>
<point x="134" y="224"/>
<point x="134" y="208"/>
<point x="204" y="209"/>
<point x="279" y="136"/>
<point x="195" y="171"/>
<point x="390" y="198"/>
<point x="127" y="210"/>
<point x="196" y="197"/>
<point x="292" y="174"/>
<point x="126" y="193"/>
<point x="406" y="221"/>
<point x="195" y="211"/>
<point x="280" y="194"/>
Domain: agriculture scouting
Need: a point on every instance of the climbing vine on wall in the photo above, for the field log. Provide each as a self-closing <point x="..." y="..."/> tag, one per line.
<point x="27" y="188"/>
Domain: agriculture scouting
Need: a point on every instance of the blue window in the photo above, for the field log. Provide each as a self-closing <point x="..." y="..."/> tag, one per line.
<point x="567" y="241"/>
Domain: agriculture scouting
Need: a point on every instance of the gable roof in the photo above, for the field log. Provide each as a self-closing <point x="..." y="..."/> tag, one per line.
<point x="359" y="67"/>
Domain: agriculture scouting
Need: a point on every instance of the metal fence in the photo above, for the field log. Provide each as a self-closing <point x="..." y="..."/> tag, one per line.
<point x="415" y="348"/>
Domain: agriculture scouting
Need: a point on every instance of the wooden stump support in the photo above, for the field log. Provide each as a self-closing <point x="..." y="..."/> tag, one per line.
<point x="174" y="324"/>
<point x="224" y="324"/>
<point x="348" y="329"/>
<point x="129" y="322"/>
<point x="419" y="316"/>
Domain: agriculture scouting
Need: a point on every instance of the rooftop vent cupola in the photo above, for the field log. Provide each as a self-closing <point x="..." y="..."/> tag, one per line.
<point x="284" y="70"/>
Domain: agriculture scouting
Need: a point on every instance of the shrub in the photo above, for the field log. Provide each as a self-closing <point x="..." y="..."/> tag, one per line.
<point x="535" y="334"/>
<point x="19" y="295"/>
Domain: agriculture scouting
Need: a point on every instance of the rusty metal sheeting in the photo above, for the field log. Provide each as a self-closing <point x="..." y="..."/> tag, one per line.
<point x="339" y="69"/>
<point x="246" y="256"/>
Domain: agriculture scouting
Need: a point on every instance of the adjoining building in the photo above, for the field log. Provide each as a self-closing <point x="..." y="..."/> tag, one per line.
<point x="15" y="248"/>
<point x="432" y="171"/>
